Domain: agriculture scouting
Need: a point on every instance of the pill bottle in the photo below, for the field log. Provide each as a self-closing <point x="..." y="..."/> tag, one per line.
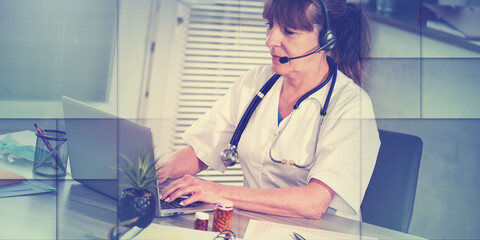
<point x="201" y="221"/>
<point x="222" y="218"/>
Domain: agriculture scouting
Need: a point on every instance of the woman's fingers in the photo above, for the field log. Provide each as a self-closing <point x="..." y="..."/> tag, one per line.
<point x="194" y="198"/>
<point x="199" y="190"/>
<point x="183" y="191"/>
<point x="175" y="186"/>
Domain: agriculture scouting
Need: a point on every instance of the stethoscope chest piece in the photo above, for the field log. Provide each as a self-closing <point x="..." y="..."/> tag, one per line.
<point x="229" y="155"/>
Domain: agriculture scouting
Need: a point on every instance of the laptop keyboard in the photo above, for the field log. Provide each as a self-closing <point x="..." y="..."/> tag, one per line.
<point x="174" y="204"/>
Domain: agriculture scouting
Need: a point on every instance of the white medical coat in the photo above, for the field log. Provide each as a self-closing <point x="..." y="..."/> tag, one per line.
<point x="346" y="151"/>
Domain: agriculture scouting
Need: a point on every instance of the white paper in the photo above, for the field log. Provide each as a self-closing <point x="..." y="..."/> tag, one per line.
<point x="259" y="230"/>
<point x="157" y="231"/>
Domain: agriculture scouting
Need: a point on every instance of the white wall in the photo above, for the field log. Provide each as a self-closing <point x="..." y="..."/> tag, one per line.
<point x="135" y="19"/>
<point x="158" y="110"/>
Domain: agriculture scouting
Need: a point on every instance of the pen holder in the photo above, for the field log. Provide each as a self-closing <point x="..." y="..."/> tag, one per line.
<point x="51" y="154"/>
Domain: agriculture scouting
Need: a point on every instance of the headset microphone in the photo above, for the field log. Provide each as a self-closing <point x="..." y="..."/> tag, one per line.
<point x="283" y="60"/>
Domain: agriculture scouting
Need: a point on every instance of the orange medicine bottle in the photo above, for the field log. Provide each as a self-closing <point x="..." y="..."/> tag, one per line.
<point x="201" y="221"/>
<point x="222" y="218"/>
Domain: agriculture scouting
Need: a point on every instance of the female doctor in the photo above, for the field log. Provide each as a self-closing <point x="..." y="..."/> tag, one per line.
<point x="311" y="141"/>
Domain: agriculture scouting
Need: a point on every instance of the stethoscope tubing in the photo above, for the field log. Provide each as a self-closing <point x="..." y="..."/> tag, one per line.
<point x="231" y="151"/>
<point x="251" y="108"/>
<point x="287" y="162"/>
<point x="329" y="95"/>
<point x="323" y="112"/>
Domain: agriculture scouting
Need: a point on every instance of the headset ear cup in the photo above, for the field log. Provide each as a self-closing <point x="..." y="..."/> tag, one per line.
<point x="329" y="40"/>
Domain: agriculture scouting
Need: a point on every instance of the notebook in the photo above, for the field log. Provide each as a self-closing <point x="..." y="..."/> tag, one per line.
<point x="95" y="138"/>
<point x="7" y="178"/>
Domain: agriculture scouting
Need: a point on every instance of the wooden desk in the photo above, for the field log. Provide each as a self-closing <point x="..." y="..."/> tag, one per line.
<point x="77" y="212"/>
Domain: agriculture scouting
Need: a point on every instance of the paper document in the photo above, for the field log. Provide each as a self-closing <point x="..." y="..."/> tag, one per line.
<point x="157" y="231"/>
<point x="259" y="230"/>
<point x="25" y="188"/>
<point x="7" y="177"/>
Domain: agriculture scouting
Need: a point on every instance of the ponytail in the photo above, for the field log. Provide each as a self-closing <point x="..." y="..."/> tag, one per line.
<point x="353" y="44"/>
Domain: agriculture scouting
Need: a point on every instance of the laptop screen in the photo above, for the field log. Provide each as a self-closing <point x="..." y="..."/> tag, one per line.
<point x="96" y="139"/>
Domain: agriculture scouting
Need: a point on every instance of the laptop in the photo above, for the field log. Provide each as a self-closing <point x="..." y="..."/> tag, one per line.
<point x="95" y="139"/>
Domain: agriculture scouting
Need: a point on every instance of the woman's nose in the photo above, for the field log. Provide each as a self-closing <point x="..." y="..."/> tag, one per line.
<point x="274" y="37"/>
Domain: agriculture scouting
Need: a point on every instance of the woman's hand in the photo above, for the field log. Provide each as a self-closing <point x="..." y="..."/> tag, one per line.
<point x="198" y="189"/>
<point x="162" y="172"/>
<point x="179" y="163"/>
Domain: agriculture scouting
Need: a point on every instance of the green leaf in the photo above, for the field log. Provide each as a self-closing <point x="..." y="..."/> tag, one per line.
<point x="139" y="164"/>
<point x="145" y="174"/>
<point x="130" y="166"/>
<point x="151" y="169"/>
<point x="150" y="182"/>
<point x="129" y="178"/>
<point x="145" y="161"/>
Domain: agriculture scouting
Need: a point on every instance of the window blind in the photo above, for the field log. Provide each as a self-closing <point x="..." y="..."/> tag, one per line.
<point x="223" y="40"/>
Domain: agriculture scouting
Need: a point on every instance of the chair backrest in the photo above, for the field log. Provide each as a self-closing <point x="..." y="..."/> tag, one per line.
<point x="390" y="195"/>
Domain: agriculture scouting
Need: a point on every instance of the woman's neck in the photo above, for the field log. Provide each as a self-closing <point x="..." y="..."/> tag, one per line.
<point x="297" y="83"/>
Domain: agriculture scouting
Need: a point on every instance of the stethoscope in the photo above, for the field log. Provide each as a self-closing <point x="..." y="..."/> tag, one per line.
<point x="229" y="155"/>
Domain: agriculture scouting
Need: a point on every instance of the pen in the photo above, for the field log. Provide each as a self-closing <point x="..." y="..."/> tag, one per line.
<point x="298" y="236"/>
<point x="41" y="132"/>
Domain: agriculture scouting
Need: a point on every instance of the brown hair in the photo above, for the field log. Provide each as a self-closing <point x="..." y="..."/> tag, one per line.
<point x="348" y="21"/>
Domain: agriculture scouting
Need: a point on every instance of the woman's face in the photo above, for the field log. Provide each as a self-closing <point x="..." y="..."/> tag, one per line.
<point x="284" y="42"/>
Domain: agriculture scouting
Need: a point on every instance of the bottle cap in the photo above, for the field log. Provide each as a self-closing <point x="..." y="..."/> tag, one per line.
<point x="224" y="204"/>
<point x="201" y="215"/>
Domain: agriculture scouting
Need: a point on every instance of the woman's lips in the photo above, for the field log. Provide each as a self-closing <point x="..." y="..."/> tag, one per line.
<point x="275" y="57"/>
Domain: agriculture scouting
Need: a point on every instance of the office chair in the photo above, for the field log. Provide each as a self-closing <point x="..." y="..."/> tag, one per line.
<point x="390" y="195"/>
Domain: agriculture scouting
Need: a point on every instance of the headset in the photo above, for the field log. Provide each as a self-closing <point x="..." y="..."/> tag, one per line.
<point x="326" y="38"/>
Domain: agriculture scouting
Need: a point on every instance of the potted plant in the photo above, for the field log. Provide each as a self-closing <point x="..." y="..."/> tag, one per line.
<point x="137" y="200"/>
